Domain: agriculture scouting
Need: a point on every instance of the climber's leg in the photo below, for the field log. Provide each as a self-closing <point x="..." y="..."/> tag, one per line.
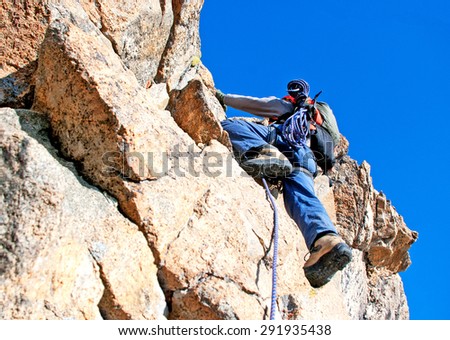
<point x="328" y="251"/>
<point x="252" y="148"/>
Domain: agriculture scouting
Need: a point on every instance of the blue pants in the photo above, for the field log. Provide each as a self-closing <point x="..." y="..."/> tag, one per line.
<point x="300" y="200"/>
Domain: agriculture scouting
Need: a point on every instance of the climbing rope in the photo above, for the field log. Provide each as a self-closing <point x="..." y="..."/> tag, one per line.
<point x="275" y="250"/>
<point x="296" y="129"/>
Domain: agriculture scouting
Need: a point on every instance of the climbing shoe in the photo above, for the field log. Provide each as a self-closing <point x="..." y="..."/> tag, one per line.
<point x="329" y="255"/>
<point x="267" y="162"/>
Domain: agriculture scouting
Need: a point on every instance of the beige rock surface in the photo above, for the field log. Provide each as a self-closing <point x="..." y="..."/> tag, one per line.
<point x="183" y="44"/>
<point x="23" y="25"/>
<point x="138" y="31"/>
<point x="368" y="220"/>
<point x="66" y="251"/>
<point x="22" y="29"/>
<point x="198" y="113"/>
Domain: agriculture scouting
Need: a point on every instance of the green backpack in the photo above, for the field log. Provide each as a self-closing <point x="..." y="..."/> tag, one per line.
<point x="329" y="121"/>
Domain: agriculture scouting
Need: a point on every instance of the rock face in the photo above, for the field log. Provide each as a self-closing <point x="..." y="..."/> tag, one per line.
<point x="66" y="252"/>
<point x="138" y="31"/>
<point x="185" y="106"/>
<point x="121" y="199"/>
<point x="23" y="25"/>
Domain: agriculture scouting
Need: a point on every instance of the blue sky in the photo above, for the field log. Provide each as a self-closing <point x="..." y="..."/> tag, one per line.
<point x="384" y="69"/>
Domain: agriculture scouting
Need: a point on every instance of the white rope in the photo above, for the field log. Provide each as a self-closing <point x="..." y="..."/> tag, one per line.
<point x="296" y="129"/>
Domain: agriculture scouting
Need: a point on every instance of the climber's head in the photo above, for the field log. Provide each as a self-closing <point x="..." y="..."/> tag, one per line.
<point x="299" y="89"/>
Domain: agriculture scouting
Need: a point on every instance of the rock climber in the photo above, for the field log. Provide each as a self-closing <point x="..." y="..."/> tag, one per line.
<point x="266" y="151"/>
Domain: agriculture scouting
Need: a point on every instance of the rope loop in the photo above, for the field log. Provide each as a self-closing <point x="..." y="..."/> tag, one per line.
<point x="296" y="129"/>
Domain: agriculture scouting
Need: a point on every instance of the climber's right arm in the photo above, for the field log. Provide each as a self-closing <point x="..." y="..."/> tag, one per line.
<point x="263" y="107"/>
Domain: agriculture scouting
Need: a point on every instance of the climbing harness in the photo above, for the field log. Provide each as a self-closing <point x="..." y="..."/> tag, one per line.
<point x="275" y="250"/>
